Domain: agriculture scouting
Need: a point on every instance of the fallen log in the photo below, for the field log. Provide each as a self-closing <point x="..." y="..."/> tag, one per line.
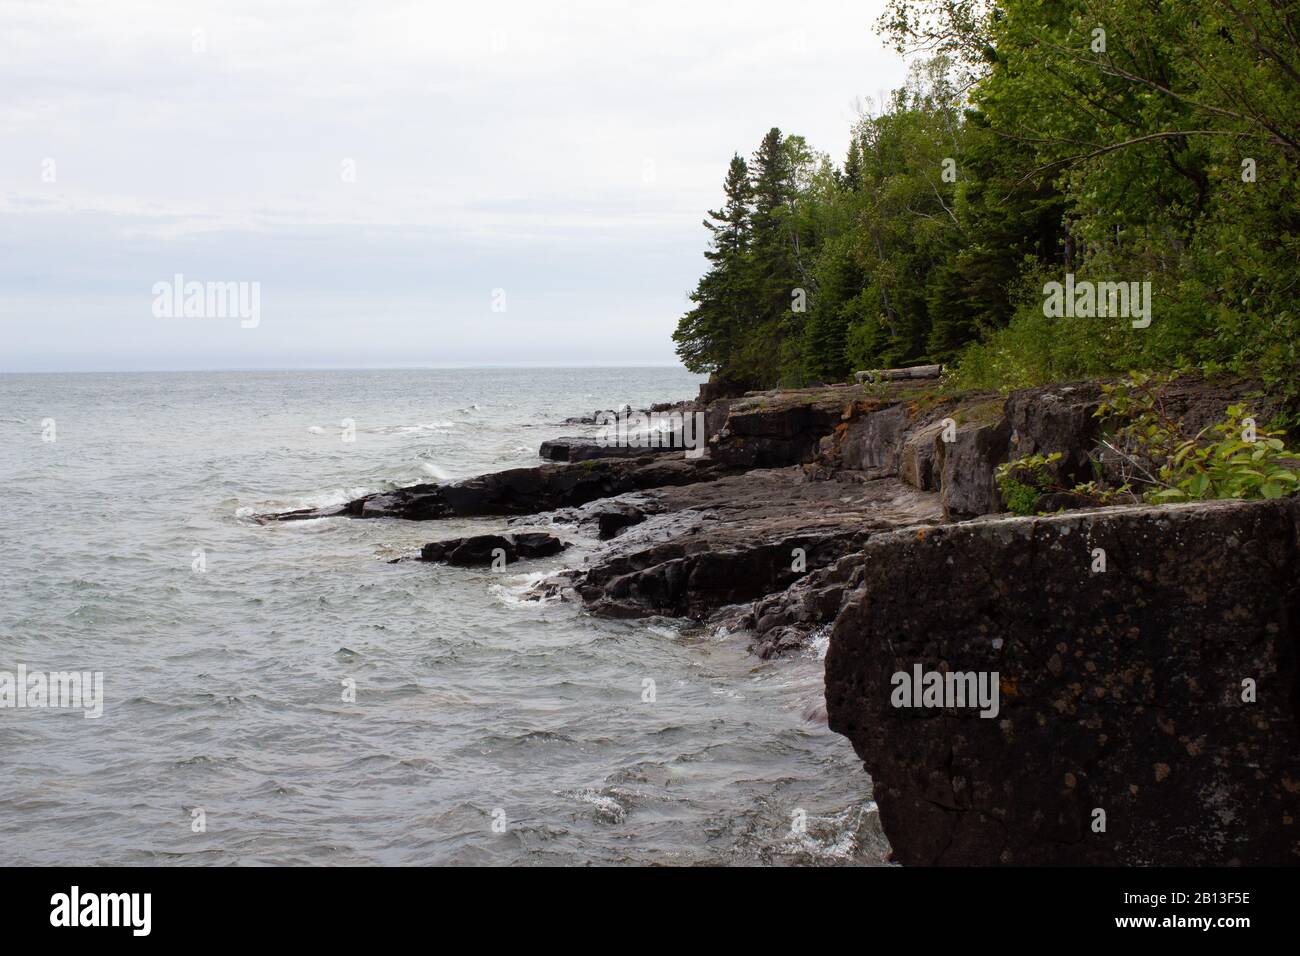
<point x="897" y="374"/>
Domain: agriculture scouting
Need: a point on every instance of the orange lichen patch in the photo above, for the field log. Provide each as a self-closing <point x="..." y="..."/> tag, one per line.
<point x="1009" y="686"/>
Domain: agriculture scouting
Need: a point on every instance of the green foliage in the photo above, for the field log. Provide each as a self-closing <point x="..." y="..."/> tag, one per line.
<point x="1235" y="458"/>
<point x="1239" y="461"/>
<point x="1023" y="149"/>
<point x="1023" y="481"/>
<point x="1151" y="458"/>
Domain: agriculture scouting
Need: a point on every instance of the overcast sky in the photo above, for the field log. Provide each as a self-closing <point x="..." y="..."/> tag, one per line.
<point x="382" y="169"/>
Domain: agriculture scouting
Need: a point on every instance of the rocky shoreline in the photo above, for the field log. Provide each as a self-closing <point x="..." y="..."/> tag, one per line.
<point x="1147" y="712"/>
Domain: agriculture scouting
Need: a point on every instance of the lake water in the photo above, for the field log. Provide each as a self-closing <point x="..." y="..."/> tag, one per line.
<point x="228" y="648"/>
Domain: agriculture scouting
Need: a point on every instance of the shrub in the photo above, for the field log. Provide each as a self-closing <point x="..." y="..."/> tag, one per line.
<point x="1024" y="480"/>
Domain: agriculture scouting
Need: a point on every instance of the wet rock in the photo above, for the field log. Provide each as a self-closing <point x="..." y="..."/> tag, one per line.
<point x="483" y="549"/>
<point x="521" y="490"/>
<point x="1119" y="690"/>
<point x="537" y="544"/>
<point x="788" y="620"/>
<point x="475" y="550"/>
<point x="613" y="519"/>
<point x="740" y="538"/>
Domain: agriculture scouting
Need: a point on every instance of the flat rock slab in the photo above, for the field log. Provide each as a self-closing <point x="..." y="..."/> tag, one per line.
<point x="520" y="491"/>
<point x="587" y="449"/>
<point x="741" y="537"/>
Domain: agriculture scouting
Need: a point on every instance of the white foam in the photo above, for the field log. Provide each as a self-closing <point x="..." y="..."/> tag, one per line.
<point x="329" y="499"/>
<point x="820" y="642"/>
<point x="606" y="806"/>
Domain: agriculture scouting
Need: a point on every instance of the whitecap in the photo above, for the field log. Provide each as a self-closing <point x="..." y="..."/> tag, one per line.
<point x="608" y="809"/>
<point x="330" y="498"/>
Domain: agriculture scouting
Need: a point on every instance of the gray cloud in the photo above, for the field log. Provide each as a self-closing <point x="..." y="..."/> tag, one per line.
<point x="564" y="152"/>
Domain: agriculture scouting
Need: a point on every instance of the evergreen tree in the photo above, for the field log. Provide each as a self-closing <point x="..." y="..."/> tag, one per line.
<point x="1029" y="145"/>
<point x="708" y="336"/>
<point x="853" y="166"/>
<point x="772" y="262"/>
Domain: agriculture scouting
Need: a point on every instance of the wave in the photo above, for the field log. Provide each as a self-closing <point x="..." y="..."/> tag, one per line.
<point x="412" y="429"/>
<point x="439" y="426"/>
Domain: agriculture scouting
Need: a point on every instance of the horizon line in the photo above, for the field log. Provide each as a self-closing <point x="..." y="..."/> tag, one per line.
<point x="338" y="368"/>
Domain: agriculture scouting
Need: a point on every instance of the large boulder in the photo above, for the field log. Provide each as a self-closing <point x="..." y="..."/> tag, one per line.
<point x="789" y="620"/>
<point x="615" y="516"/>
<point x="1063" y="418"/>
<point x="1148" y="711"/>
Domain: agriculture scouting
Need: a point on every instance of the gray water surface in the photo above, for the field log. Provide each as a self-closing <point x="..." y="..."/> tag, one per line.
<point x="224" y="687"/>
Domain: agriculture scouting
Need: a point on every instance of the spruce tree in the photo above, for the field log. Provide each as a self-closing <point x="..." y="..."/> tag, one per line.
<point x="774" y="273"/>
<point x="708" y="337"/>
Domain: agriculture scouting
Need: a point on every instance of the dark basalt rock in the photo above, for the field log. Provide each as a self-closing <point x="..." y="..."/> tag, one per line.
<point x="872" y="443"/>
<point x="716" y="388"/>
<point x="537" y="544"/>
<point x="788" y="620"/>
<point x="1061" y="418"/>
<point x="521" y="491"/>
<point x="619" y="515"/>
<point x="481" y="549"/>
<point x="1061" y="501"/>
<point x="587" y="449"/>
<point x="784" y="433"/>
<point x="919" y="454"/>
<point x="1120" y="690"/>
<point x="734" y="540"/>
<point x="1057" y="418"/>
<point x="596" y="416"/>
<point x="968" y="467"/>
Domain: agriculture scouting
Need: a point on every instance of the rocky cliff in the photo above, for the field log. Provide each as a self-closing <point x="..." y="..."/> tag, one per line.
<point x="1143" y="659"/>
